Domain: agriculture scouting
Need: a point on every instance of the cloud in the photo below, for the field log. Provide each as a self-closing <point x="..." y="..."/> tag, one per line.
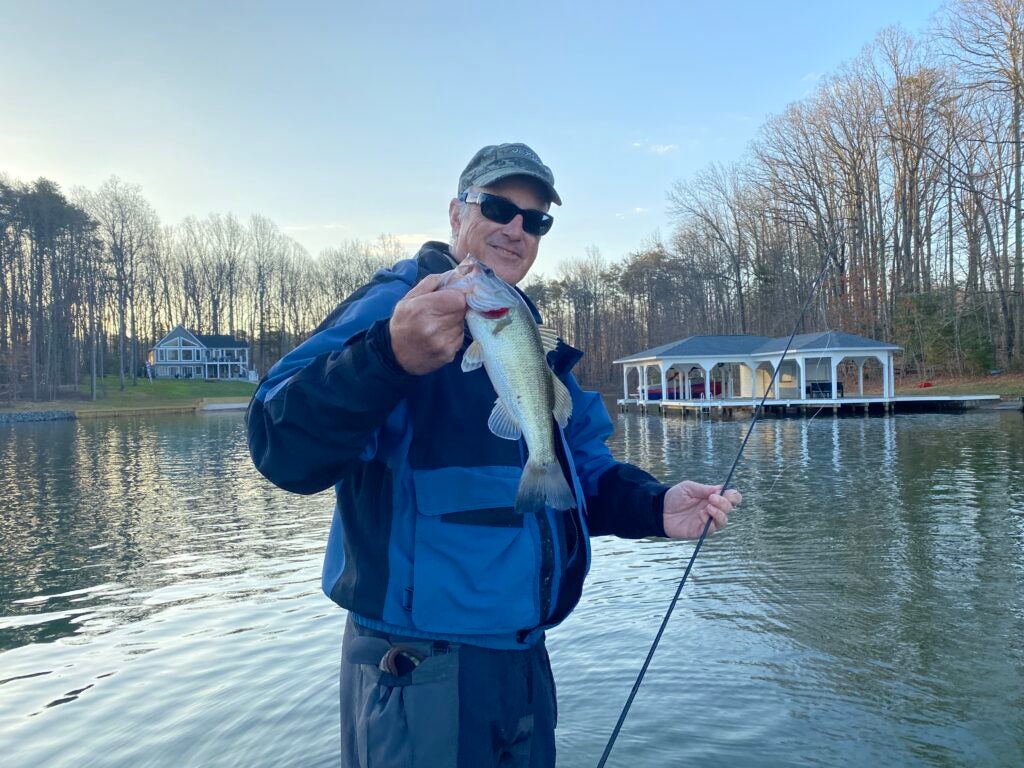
<point x="415" y="239"/>
<point x="812" y="80"/>
<point x="631" y="213"/>
<point x="656" y="149"/>
<point x="314" y="227"/>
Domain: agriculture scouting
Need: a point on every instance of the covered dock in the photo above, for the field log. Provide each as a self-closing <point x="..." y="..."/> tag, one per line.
<point x="705" y="374"/>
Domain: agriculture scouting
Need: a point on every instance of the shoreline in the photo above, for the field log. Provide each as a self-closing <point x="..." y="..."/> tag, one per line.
<point x="218" y="405"/>
<point x="29" y="414"/>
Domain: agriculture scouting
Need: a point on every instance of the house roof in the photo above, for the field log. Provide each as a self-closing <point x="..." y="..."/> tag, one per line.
<point x="210" y="341"/>
<point x="220" y="341"/>
<point x="744" y="345"/>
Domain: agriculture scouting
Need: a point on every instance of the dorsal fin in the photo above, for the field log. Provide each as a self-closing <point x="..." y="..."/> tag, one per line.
<point x="548" y="337"/>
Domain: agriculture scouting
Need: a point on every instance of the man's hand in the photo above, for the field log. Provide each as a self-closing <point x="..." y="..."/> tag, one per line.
<point x="688" y="506"/>
<point x="427" y="326"/>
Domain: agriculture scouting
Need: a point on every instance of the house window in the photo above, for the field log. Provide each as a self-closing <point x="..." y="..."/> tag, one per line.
<point x="161" y="355"/>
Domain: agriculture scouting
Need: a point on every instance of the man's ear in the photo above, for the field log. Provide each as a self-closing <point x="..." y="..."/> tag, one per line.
<point x="453" y="217"/>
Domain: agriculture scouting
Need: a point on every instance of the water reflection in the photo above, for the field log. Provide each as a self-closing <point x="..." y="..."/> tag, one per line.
<point x="159" y="602"/>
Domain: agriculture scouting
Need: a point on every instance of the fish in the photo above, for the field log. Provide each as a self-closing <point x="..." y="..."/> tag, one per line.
<point x="512" y="348"/>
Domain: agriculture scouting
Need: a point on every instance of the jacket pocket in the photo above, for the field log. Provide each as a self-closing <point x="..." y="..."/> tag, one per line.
<point x="476" y="566"/>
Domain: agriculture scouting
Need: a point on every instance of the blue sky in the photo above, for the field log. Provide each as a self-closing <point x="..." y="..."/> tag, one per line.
<point x="348" y="120"/>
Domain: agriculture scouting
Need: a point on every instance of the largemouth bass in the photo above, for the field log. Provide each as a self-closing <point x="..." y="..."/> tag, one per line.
<point x="512" y="348"/>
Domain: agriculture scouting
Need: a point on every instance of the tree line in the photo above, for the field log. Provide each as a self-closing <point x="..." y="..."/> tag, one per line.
<point x="901" y="173"/>
<point x="89" y="283"/>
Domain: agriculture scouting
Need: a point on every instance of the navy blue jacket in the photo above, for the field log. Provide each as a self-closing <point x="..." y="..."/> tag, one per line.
<point x="424" y="539"/>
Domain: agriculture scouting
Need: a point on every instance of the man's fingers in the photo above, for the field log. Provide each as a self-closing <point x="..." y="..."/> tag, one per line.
<point x="718" y="508"/>
<point x="448" y="301"/>
<point x="428" y="284"/>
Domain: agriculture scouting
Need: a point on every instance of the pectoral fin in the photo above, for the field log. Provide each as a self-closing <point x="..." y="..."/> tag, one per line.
<point x="503" y="422"/>
<point x="473" y="357"/>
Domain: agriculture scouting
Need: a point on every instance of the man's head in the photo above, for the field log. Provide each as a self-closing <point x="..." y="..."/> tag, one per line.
<point x="501" y="211"/>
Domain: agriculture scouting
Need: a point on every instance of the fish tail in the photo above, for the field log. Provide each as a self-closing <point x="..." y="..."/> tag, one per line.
<point x="543" y="484"/>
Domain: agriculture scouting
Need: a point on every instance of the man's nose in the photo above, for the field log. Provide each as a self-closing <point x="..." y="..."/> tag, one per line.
<point x="514" y="229"/>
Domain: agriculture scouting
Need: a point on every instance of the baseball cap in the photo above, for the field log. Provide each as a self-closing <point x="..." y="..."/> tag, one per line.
<point x="498" y="161"/>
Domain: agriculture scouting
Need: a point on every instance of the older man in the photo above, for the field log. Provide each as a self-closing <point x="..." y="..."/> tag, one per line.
<point x="449" y="590"/>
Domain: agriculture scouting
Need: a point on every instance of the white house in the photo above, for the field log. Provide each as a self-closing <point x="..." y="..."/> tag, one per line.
<point x="183" y="354"/>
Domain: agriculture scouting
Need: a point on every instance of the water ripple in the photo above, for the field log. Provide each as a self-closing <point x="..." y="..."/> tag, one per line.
<point x="160" y="605"/>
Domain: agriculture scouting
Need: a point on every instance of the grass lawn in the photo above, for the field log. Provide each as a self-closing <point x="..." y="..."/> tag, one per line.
<point x="159" y="393"/>
<point x="1009" y="386"/>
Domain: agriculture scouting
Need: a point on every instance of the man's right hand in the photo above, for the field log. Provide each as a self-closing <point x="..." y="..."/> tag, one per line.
<point x="427" y="326"/>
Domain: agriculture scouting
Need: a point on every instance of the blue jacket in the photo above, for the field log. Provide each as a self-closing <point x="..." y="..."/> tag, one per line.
<point x="424" y="539"/>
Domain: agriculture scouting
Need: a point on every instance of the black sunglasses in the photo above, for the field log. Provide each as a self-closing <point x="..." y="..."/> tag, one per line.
<point x="502" y="211"/>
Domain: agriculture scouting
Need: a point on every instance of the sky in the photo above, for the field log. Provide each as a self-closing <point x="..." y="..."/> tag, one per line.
<point x="342" y="120"/>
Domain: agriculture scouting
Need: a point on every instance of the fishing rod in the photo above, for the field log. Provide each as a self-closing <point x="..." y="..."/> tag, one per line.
<point x="707" y="524"/>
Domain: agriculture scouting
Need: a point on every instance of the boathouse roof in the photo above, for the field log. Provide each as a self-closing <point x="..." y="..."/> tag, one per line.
<point x="750" y="345"/>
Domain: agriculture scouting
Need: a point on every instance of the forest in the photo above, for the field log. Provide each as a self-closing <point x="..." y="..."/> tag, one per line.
<point x="900" y="174"/>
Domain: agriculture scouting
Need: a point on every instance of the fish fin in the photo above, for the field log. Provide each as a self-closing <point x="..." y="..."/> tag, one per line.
<point x="543" y="484"/>
<point x="503" y="422"/>
<point x="473" y="357"/>
<point x="548" y="338"/>
<point x="563" y="401"/>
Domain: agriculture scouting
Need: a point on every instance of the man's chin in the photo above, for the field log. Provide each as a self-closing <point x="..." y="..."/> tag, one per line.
<point x="506" y="265"/>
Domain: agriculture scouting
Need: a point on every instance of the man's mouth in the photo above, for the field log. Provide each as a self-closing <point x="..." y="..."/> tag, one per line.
<point x="503" y="250"/>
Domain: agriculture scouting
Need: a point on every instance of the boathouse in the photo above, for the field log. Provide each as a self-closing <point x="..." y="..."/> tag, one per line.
<point x="737" y="370"/>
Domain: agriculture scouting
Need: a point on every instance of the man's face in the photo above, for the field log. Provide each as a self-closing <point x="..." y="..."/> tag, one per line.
<point x="505" y="248"/>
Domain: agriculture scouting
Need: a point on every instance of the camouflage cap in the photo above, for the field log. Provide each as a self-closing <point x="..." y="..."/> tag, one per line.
<point x="499" y="161"/>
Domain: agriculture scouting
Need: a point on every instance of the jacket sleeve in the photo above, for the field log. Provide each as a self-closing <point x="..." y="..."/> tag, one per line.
<point x="621" y="499"/>
<point x="321" y="405"/>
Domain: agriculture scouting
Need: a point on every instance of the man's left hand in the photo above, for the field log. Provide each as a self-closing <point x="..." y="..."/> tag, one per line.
<point x="688" y="506"/>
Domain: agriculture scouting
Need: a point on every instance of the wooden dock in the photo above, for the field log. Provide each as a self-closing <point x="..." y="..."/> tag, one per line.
<point x="798" y="406"/>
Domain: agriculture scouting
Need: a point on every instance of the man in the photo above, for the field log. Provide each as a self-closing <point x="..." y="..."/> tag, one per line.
<point x="449" y="590"/>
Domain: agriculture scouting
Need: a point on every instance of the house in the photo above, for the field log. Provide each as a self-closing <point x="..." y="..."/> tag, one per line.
<point x="183" y="354"/>
<point x="740" y="367"/>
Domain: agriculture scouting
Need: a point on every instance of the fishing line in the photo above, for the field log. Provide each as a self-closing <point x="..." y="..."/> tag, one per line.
<point x="707" y="524"/>
<point x="814" y="415"/>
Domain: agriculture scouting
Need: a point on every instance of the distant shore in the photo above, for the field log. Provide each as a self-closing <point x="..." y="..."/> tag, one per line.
<point x="184" y="396"/>
<point x="144" y="397"/>
<point x="46" y="411"/>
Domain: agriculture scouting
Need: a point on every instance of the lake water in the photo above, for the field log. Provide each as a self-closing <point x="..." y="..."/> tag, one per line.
<point x="160" y="603"/>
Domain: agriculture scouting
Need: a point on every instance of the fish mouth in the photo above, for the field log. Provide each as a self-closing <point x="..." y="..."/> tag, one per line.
<point x="486" y="293"/>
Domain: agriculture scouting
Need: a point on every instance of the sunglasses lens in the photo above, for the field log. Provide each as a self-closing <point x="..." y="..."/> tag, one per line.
<point x="502" y="211"/>
<point x="497" y="209"/>
<point x="537" y="223"/>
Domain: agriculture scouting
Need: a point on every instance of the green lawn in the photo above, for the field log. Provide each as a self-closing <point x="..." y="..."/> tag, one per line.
<point x="159" y="393"/>
<point x="1008" y="386"/>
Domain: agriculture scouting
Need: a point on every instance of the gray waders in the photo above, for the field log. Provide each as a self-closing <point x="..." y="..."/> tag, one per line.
<point x="413" y="703"/>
